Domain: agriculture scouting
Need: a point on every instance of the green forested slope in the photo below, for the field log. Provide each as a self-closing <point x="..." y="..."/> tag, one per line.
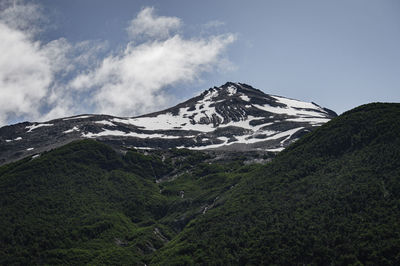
<point x="71" y="205"/>
<point x="84" y="203"/>
<point x="331" y="198"/>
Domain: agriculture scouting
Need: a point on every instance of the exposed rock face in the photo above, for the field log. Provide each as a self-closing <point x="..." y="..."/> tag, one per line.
<point x="234" y="116"/>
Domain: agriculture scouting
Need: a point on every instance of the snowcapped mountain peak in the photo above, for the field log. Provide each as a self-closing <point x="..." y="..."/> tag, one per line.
<point x="234" y="102"/>
<point x="234" y="116"/>
<point x="229" y="89"/>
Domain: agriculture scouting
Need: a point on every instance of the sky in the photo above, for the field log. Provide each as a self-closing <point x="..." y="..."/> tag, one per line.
<point x="127" y="58"/>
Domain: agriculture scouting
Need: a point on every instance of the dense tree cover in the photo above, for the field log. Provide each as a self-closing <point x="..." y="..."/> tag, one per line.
<point x="69" y="202"/>
<point x="331" y="198"/>
<point x="85" y="203"/>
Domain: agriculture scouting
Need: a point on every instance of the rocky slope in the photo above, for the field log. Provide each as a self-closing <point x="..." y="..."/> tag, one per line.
<point x="234" y="116"/>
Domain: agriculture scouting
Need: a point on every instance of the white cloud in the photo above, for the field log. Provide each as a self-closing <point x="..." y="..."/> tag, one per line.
<point x="23" y="17"/>
<point x="25" y="73"/>
<point x="133" y="82"/>
<point x="66" y="60"/>
<point x="41" y="81"/>
<point x="31" y="72"/>
<point x="146" y="24"/>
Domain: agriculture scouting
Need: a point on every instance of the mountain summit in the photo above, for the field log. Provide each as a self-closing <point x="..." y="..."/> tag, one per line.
<point x="234" y="116"/>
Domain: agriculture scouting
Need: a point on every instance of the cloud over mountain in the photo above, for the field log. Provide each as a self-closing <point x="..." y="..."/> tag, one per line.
<point x="40" y="80"/>
<point x="25" y="68"/>
<point x="133" y="81"/>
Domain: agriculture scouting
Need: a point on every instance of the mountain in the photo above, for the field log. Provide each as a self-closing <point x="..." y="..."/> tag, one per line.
<point x="233" y="117"/>
<point x="332" y="197"/>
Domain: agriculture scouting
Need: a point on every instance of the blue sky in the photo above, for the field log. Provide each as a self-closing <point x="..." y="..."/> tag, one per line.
<point x="126" y="58"/>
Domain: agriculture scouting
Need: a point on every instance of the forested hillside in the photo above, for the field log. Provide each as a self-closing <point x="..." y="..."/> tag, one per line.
<point x="86" y="203"/>
<point x="331" y="197"/>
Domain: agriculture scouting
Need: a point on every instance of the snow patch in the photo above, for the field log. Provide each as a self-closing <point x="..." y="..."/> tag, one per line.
<point x="289" y="110"/>
<point x="286" y="134"/>
<point x="71" y="130"/>
<point x="297" y="103"/>
<point x="165" y="122"/>
<point x="78" y="117"/>
<point x="249" y="139"/>
<point x="245" y="98"/>
<point x="311" y="120"/>
<point x="210" y="95"/>
<point x="276" y="149"/>
<point x="225" y="139"/>
<point x="245" y="123"/>
<point x="105" y="122"/>
<point x="107" y="132"/>
<point x="32" y="127"/>
<point x="142" y="148"/>
<point x="232" y="90"/>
